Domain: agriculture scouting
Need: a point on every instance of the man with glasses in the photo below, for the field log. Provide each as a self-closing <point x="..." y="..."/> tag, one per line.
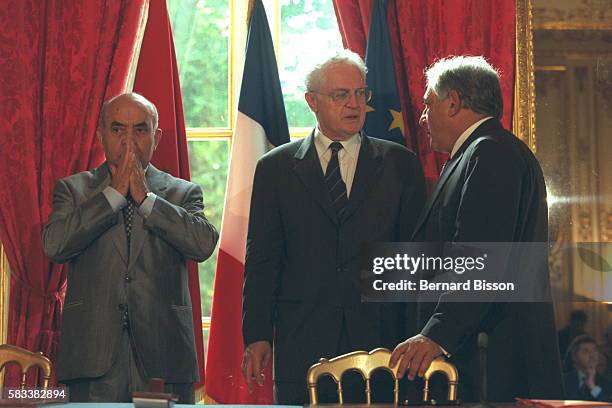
<point x="315" y="202"/>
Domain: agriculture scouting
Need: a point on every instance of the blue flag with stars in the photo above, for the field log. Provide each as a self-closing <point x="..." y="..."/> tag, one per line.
<point x="384" y="114"/>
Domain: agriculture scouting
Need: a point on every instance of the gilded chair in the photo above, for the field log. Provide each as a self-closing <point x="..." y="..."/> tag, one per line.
<point x="361" y="361"/>
<point x="366" y="363"/>
<point x="440" y="365"/>
<point x="25" y="359"/>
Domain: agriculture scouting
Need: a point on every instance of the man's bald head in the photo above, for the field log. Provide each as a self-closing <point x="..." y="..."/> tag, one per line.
<point x="133" y="96"/>
<point x="128" y="120"/>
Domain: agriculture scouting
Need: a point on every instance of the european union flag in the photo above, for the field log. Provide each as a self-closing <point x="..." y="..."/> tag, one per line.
<point x="384" y="114"/>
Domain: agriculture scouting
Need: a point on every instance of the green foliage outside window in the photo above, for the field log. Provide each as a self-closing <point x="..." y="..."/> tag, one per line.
<point x="201" y="37"/>
<point x="201" y="31"/>
<point x="308" y="30"/>
<point x="209" y="160"/>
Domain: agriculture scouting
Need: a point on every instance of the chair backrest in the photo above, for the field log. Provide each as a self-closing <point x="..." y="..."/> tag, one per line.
<point x="362" y="361"/>
<point x="440" y="365"/>
<point x="25" y="359"/>
<point x="366" y="363"/>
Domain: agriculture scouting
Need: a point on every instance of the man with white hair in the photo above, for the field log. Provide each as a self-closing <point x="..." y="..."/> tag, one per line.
<point x="315" y="202"/>
<point x="490" y="190"/>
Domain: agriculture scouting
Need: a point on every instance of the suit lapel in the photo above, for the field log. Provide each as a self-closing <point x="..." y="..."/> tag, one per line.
<point x="448" y="170"/>
<point x="100" y="181"/>
<point x="308" y="168"/>
<point x="367" y="172"/>
<point x="486" y="126"/>
<point x="157" y="182"/>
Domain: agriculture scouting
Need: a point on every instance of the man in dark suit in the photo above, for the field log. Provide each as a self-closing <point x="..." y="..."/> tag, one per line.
<point x="126" y="230"/>
<point x="575" y="328"/>
<point x="490" y="190"/>
<point x="315" y="202"/>
<point x="583" y="382"/>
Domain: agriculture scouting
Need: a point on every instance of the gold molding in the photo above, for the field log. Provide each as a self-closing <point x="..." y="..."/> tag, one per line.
<point x="208" y="133"/>
<point x="276" y="30"/>
<point x="206" y="322"/>
<point x="299" y="132"/>
<point x="573" y="25"/>
<point x="226" y="134"/>
<point x="548" y="68"/>
<point x="523" y="118"/>
<point x="5" y="278"/>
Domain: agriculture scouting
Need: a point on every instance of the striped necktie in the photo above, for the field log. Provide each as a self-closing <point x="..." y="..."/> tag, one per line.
<point x="128" y="215"/>
<point x="335" y="184"/>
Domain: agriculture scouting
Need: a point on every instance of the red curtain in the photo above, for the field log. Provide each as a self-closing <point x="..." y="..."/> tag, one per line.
<point x="59" y="60"/>
<point x="157" y="79"/>
<point x="422" y="31"/>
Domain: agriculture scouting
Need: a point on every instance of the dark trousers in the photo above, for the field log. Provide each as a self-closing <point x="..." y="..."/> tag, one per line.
<point x="124" y="377"/>
<point x="353" y="384"/>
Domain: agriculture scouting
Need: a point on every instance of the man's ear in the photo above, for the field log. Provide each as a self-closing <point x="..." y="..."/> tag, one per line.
<point x="99" y="135"/>
<point x="454" y="105"/>
<point x="311" y="100"/>
<point x="158" y="136"/>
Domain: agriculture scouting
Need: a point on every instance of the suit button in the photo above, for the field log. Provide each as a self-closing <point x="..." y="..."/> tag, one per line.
<point x="128" y="278"/>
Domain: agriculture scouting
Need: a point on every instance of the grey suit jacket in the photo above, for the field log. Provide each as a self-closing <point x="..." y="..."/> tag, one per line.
<point x="84" y="231"/>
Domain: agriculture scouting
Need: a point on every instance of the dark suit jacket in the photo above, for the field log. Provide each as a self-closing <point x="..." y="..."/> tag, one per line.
<point x="301" y="272"/>
<point x="565" y="336"/>
<point x="574" y="392"/>
<point x="493" y="190"/>
<point x="84" y="231"/>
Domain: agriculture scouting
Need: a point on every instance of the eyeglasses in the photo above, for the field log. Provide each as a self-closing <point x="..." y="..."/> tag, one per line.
<point x="341" y="96"/>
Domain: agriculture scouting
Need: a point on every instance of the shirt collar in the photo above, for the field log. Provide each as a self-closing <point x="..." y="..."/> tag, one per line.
<point x="350" y="146"/>
<point x="466" y="133"/>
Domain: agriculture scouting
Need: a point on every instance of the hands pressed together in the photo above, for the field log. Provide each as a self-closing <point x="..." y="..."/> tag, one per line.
<point x="414" y="356"/>
<point x="589" y="380"/>
<point x="128" y="176"/>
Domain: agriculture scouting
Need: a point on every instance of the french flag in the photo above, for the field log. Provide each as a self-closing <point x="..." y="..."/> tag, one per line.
<point x="261" y="124"/>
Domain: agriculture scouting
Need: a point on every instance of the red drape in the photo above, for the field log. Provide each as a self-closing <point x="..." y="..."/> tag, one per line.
<point x="157" y="79"/>
<point x="422" y="31"/>
<point x="59" y="60"/>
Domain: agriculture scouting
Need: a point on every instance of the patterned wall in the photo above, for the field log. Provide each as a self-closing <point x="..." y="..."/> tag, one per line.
<point x="573" y="58"/>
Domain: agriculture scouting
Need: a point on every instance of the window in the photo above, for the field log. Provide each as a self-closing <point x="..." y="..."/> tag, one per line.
<point x="201" y="30"/>
<point x="209" y="36"/>
<point x="303" y="22"/>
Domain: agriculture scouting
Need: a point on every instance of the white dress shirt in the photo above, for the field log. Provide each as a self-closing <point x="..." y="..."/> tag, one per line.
<point x="117" y="201"/>
<point x="347" y="156"/>
<point x="466" y="133"/>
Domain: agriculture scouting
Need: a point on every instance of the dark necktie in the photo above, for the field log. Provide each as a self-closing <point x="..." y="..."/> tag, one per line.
<point x="585" y="393"/>
<point x="128" y="215"/>
<point x="335" y="184"/>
